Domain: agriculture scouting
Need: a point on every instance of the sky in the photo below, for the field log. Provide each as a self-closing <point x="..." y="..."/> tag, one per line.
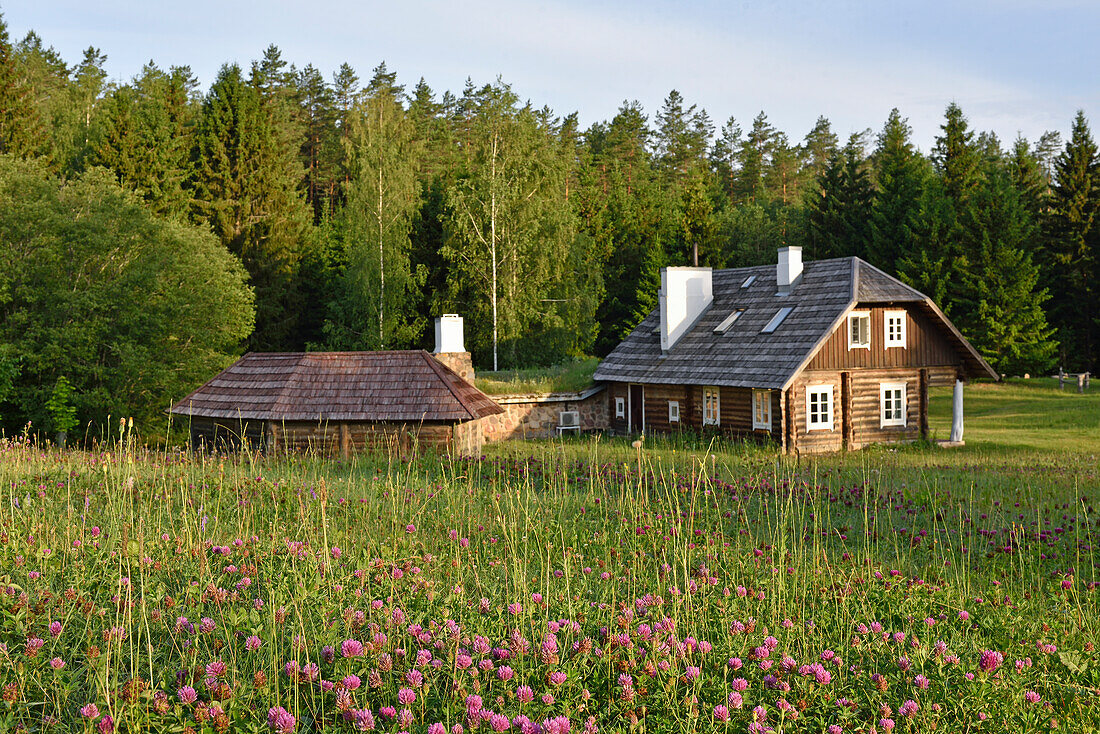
<point x="1013" y="66"/>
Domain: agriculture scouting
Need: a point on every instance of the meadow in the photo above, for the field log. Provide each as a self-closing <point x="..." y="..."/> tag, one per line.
<point x="581" y="585"/>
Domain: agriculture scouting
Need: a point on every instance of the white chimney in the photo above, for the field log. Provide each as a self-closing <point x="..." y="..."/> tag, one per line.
<point x="685" y="295"/>
<point x="448" y="334"/>
<point x="789" y="269"/>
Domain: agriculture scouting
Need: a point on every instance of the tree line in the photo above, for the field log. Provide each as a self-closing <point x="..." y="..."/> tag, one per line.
<point x="346" y="212"/>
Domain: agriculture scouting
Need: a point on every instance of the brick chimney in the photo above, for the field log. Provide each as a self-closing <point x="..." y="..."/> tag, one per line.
<point x="449" y="349"/>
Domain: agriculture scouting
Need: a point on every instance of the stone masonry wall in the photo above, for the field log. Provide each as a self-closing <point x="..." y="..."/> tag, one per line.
<point x="538" y="416"/>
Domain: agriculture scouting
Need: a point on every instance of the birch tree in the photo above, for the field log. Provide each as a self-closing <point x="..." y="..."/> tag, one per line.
<point x="509" y="221"/>
<point x="375" y="309"/>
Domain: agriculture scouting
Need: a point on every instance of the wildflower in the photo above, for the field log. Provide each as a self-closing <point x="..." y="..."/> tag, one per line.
<point x="106" y="725"/>
<point x="55" y="628"/>
<point x="735" y="700"/>
<point x="252" y="643"/>
<point x="350" y="682"/>
<point x="187" y="694"/>
<point x="835" y="729"/>
<point x="1032" y="697"/>
<point x="990" y="661"/>
<point x="406" y="696"/>
<point x="557" y="678"/>
<point x="351" y="648"/>
<point x="921" y="682"/>
<point x="89" y="711"/>
<point x="215" y="669"/>
<point x="909" y="708"/>
<point x="206" y="625"/>
<point x="721" y="713"/>
<point x="280" y="720"/>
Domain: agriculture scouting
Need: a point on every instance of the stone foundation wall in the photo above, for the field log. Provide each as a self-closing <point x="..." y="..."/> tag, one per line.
<point x="538" y="416"/>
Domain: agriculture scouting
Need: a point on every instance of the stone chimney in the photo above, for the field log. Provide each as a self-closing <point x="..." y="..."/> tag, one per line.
<point x="789" y="269"/>
<point x="685" y="295"/>
<point x="449" y="349"/>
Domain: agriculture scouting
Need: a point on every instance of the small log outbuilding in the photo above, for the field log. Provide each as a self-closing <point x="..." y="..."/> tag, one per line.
<point x="822" y="356"/>
<point x="338" y="403"/>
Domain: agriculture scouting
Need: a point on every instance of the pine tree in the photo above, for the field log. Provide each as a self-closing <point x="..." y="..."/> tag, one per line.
<point x="1071" y="247"/>
<point x="900" y="173"/>
<point x="621" y="210"/>
<point x="818" y="147"/>
<point x="318" y="113"/>
<point x="754" y="158"/>
<point x="723" y="157"/>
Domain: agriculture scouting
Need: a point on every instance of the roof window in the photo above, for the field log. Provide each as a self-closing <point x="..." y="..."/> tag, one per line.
<point x="777" y="319"/>
<point x="748" y="281"/>
<point x="723" y="327"/>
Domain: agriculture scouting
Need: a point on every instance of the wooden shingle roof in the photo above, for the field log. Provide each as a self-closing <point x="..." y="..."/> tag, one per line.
<point x="743" y="356"/>
<point x="403" y="386"/>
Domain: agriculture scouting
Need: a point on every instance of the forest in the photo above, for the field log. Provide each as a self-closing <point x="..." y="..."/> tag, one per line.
<point x="151" y="231"/>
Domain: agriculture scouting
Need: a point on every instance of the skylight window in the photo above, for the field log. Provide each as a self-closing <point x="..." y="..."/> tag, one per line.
<point x="748" y="281"/>
<point x="725" y="325"/>
<point x="777" y="319"/>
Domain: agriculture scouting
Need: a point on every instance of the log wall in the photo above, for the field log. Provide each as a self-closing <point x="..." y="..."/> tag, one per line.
<point x="735" y="410"/>
<point x="857" y="408"/>
<point x="397" y="439"/>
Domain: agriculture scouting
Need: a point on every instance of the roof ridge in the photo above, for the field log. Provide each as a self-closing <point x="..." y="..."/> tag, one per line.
<point x="442" y="371"/>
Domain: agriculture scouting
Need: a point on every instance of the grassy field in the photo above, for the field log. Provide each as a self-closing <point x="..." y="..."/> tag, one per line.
<point x="570" y="377"/>
<point x="577" y="585"/>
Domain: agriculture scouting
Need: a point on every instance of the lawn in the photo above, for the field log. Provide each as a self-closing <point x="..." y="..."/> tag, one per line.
<point x="574" y="585"/>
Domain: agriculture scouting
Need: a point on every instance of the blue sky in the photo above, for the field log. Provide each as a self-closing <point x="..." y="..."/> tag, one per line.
<point x="1012" y="65"/>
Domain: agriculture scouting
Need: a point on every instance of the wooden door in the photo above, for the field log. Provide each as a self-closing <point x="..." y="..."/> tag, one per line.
<point x="637" y="409"/>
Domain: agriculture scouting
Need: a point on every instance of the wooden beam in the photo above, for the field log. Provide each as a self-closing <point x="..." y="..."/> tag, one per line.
<point x="345" y="441"/>
<point x="922" y="404"/>
<point x="846" y="410"/>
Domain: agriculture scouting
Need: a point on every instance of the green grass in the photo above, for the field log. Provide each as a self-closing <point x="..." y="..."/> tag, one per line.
<point x="569" y="377"/>
<point x="694" y="552"/>
<point x="1021" y="416"/>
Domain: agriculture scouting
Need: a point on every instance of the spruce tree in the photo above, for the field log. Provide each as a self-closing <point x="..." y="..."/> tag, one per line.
<point x="1071" y="247"/>
<point x="245" y="183"/>
<point x="145" y="137"/>
<point x="900" y="174"/>
<point x="1004" y="319"/>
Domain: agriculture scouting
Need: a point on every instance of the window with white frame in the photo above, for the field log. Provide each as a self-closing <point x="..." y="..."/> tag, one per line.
<point x="892" y="401"/>
<point x="673" y="411"/>
<point x="894" y="328"/>
<point x="762" y="409"/>
<point x="859" y="330"/>
<point x="819" y="408"/>
<point x="620" y="407"/>
<point x="712" y="408"/>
